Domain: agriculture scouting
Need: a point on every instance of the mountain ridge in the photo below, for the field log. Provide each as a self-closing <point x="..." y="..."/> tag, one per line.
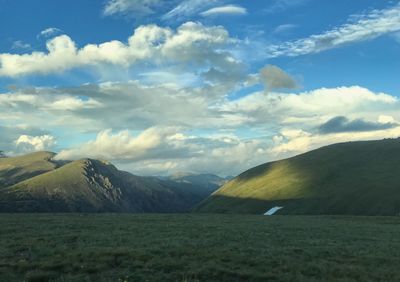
<point x="89" y="185"/>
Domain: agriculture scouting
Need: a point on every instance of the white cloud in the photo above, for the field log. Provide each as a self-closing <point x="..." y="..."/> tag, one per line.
<point x="384" y="119"/>
<point x="308" y="110"/>
<point x="120" y="146"/>
<point x="164" y="150"/>
<point x="20" y="45"/>
<point x="73" y="104"/>
<point x="27" y="143"/>
<point x="133" y="7"/>
<point x="283" y="28"/>
<point x="190" y="42"/>
<point x="359" y="28"/>
<point x="136" y="106"/>
<point x="49" y="32"/>
<point x="225" y="10"/>
<point x="10" y="133"/>
<point x="292" y="143"/>
<point x="166" y="128"/>
<point x="189" y="8"/>
<point x="126" y="105"/>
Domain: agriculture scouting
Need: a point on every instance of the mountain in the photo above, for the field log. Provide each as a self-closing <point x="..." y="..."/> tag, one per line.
<point x="207" y="183"/>
<point x="14" y="170"/>
<point x="357" y="178"/>
<point x="36" y="183"/>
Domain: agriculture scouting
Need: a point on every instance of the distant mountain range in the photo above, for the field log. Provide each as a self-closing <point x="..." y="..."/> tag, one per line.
<point x="207" y="182"/>
<point x="356" y="178"/>
<point x="37" y="183"/>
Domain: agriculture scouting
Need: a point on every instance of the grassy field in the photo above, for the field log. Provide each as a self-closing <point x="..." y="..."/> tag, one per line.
<point x="199" y="247"/>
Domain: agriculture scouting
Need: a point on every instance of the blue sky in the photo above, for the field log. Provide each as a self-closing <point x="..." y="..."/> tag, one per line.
<point x="203" y="86"/>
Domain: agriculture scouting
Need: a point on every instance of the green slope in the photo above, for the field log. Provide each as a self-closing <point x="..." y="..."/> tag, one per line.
<point x="16" y="169"/>
<point x="360" y="178"/>
<point x="95" y="186"/>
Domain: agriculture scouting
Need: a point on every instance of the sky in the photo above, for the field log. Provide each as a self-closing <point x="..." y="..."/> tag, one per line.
<point x="159" y="87"/>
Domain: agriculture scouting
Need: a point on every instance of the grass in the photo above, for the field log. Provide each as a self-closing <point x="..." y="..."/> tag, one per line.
<point x="197" y="247"/>
<point x="354" y="178"/>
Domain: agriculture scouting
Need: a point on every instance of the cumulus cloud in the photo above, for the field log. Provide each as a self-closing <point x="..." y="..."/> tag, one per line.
<point x="27" y="143"/>
<point x="163" y="150"/>
<point x="10" y="133"/>
<point x="292" y="142"/>
<point x="225" y="10"/>
<point x="343" y="124"/>
<point x="191" y="41"/>
<point x="274" y="78"/>
<point x="165" y="128"/>
<point x="123" y="146"/>
<point x="310" y="109"/>
<point x="359" y="28"/>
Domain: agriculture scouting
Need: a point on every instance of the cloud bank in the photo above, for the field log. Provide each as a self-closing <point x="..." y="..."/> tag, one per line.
<point x="166" y="128"/>
<point x="151" y="43"/>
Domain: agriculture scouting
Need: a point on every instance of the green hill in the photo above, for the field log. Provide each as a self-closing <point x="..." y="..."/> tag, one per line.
<point x="359" y="178"/>
<point x="88" y="186"/>
<point x="16" y="169"/>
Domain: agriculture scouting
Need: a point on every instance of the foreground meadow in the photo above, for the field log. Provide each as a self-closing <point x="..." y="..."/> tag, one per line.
<point x="124" y="247"/>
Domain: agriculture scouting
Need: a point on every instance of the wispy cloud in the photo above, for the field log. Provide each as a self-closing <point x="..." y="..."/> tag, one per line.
<point x="284" y="28"/>
<point x="49" y="32"/>
<point x="282" y="5"/>
<point x="131" y="7"/>
<point x="188" y="8"/>
<point x="225" y="10"/>
<point x="20" y="45"/>
<point x="358" y="28"/>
